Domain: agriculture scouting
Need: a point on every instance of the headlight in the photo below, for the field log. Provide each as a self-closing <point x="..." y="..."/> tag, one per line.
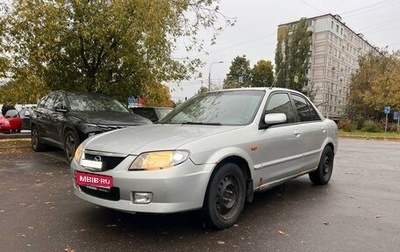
<point x="78" y="153"/>
<point x="159" y="160"/>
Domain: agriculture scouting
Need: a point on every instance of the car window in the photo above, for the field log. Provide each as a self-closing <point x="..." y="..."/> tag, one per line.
<point x="42" y="102"/>
<point x="305" y="111"/>
<point x="49" y="103"/>
<point x="11" y="113"/>
<point x="59" y="102"/>
<point x="161" y="112"/>
<point x="225" y="108"/>
<point x="94" y="103"/>
<point x="280" y="103"/>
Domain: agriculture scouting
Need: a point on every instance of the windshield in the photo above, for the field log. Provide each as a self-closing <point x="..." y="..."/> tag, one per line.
<point x="95" y="103"/>
<point x="231" y="107"/>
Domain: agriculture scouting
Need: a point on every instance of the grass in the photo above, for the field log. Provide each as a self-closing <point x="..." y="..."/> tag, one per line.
<point x="7" y="143"/>
<point x="371" y="135"/>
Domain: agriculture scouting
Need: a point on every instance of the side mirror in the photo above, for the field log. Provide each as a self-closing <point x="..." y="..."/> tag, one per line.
<point x="60" y="108"/>
<point x="275" y="118"/>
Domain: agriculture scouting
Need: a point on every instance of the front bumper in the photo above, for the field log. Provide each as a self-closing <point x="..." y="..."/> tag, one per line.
<point x="178" y="189"/>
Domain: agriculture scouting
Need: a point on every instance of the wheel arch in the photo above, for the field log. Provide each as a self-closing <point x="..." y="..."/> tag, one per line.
<point x="244" y="167"/>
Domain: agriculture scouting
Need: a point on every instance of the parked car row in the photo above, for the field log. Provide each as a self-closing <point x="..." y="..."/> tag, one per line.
<point x="213" y="152"/>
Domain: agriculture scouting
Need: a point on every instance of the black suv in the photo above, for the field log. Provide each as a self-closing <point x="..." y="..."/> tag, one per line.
<point x="64" y="119"/>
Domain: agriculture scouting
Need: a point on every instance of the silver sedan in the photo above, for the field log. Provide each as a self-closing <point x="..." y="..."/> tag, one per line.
<point x="213" y="152"/>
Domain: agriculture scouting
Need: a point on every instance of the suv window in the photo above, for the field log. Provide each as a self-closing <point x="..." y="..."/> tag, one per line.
<point x="280" y="103"/>
<point x="48" y="104"/>
<point x="305" y="111"/>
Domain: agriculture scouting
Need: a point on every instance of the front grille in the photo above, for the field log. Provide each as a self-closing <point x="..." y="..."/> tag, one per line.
<point x="112" y="194"/>
<point x="109" y="162"/>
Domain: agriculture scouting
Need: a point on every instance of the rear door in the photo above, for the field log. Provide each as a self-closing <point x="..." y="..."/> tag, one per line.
<point x="313" y="131"/>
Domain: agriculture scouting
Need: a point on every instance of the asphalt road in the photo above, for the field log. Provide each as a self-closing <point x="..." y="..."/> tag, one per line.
<point x="357" y="211"/>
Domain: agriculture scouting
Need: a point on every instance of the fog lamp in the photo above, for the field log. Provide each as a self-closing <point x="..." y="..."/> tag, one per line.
<point x="142" y="197"/>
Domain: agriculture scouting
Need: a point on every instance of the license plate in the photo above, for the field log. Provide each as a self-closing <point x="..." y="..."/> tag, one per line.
<point x="95" y="180"/>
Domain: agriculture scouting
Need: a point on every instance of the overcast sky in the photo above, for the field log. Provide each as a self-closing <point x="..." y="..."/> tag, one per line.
<point x="254" y="34"/>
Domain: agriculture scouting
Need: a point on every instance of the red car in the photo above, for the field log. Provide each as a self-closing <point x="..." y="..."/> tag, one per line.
<point x="11" y="122"/>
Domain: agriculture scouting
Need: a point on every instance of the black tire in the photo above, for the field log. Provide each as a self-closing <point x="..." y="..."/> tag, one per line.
<point x="36" y="143"/>
<point x="225" y="196"/>
<point x="71" y="142"/>
<point x="324" y="171"/>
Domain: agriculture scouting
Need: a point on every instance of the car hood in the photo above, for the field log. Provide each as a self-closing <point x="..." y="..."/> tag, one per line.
<point x="135" y="140"/>
<point x="109" y="118"/>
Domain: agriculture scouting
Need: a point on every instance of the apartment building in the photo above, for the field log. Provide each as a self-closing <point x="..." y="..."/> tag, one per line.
<point x="334" y="53"/>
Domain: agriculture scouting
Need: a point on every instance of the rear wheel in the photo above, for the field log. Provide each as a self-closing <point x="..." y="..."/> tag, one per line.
<point x="36" y="143"/>
<point x="225" y="196"/>
<point x="71" y="142"/>
<point x="324" y="171"/>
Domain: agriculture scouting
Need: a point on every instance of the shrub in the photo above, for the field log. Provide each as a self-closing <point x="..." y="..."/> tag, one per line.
<point x="346" y="125"/>
<point x="371" y="126"/>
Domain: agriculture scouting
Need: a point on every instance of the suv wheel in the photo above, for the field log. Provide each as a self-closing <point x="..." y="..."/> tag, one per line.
<point x="71" y="142"/>
<point x="36" y="143"/>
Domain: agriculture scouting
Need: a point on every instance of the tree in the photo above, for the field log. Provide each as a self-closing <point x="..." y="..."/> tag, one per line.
<point x="115" y="47"/>
<point x="202" y="90"/>
<point x="262" y="74"/>
<point x="239" y="73"/>
<point x="292" y="55"/>
<point x="158" y="95"/>
<point x="374" y="86"/>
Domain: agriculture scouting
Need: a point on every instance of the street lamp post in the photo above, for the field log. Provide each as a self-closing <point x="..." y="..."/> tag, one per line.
<point x="209" y="73"/>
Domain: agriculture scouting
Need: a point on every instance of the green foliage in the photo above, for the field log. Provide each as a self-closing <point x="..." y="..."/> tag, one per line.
<point x="239" y="73"/>
<point x="118" y="47"/>
<point x="374" y="86"/>
<point x="371" y="126"/>
<point x="262" y="74"/>
<point x="292" y="56"/>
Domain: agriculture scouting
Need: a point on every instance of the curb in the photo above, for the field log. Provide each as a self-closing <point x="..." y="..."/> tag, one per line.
<point x="26" y="135"/>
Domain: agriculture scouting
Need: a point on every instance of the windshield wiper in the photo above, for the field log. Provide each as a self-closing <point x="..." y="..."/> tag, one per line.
<point x="202" y="123"/>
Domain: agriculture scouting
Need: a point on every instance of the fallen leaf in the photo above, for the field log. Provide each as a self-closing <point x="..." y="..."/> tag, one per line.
<point x="282" y="233"/>
<point x="326" y="223"/>
<point x="378" y="216"/>
<point x="221" y="242"/>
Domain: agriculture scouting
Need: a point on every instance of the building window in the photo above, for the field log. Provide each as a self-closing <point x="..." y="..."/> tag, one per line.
<point x="337" y="28"/>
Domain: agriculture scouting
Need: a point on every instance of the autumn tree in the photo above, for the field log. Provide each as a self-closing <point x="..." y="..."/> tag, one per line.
<point x="262" y="74"/>
<point x="118" y="47"/>
<point x="239" y="73"/>
<point x="292" y="55"/>
<point x="158" y="95"/>
<point x="375" y="85"/>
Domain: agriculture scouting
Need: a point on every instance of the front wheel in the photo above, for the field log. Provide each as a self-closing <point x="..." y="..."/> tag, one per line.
<point x="36" y="142"/>
<point x="324" y="171"/>
<point x="71" y="142"/>
<point x="225" y="197"/>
